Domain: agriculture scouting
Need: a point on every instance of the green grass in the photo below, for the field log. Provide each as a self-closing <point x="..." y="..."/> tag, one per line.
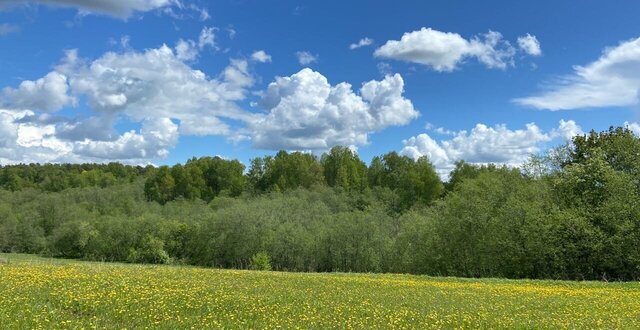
<point x="52" y="293"/>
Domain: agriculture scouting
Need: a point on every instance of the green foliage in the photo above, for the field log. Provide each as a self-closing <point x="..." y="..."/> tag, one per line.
<point x="204" y="178"/>
<point x="573" y="213"/>
<point x="415" y="182"/>
<point x="261" y="261"/>
<point x="343" y="168"/>
<point x="53" y="177"/>
<point x="285" y="171"/>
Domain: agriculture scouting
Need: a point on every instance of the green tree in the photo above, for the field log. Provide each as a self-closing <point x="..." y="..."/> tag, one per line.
<point x="343" y="168"/>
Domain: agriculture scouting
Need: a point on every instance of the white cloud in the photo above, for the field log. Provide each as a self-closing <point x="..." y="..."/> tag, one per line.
<point x="444" y="51"/>
<point x="29" y="142"/>
<point x="189" y="50"/>
<point x="611" y="81"/>
<point x="155" y="88"/>
<point x="261" y="56"/>
<point x="159" y="90"/>
<point x="634" y="127"/>
<point x="155" y="139"/>
<point x="25" y="142"/>
<point x="98" y="128"/>
<point x="530" y="45"/>
<point x="306" y="58"/>
<point x="207" y="37"/>
<point x="566" y="130"/>
<point x="204" y="13"/>
<point x="484" y="144"/>
<point x="156" y="83"/>
<point x="186" y="50"/>
<point x="49" y="93"/>
<point x="363" y="42"/>
<point x="119" y="8"/>
<point x="305" y="112"/>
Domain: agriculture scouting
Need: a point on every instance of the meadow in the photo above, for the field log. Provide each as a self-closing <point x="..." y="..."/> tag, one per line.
<point x="41" y="293"/>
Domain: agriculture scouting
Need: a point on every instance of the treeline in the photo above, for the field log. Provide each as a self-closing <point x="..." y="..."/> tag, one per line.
<point x="206" y="178"/>
<point x="573" y="213"/>
<point x="57" y="177"/>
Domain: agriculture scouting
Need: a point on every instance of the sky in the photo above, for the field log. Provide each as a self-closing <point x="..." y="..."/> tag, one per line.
<point x="162" y="81"/>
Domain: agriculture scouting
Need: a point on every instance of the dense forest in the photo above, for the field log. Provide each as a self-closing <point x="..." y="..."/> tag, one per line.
<point x="573" y="213"/>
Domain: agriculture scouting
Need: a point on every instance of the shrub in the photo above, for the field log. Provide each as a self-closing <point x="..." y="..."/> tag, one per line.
<point x="261" y="261"/>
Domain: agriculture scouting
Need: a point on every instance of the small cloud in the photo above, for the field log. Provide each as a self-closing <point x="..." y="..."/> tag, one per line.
<point x="207" y="37"/>
<point x="384" y="68"/>
<point x="261" y="56"/>
<point x="124" y="41"/>
<point x="530" y="45"/>
<point x="363" y="42"/>
<point x="204" y="13"/>
<point x="445" y="51"/>
<point x="231" y="31"/>
<point x="306" y="58"/>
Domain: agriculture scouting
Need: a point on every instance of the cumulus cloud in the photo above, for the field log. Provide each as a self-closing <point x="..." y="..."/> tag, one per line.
<point x="445" y="51"/>
<point x="120" y="8"/>
<point x="611" y="81"/>
<point x="362" y="43"/>
<point x="530" y="45"/>
<point x="155" y="88"/>
<point x="71" y="113"/>
<point x="306" y="58"/>
<point x="29" y="142"/>
<point x="155" y="139"/>
<point x="484" y="144"/>
<point x="305" y="112"/>
<point x="156" y="83"/>
<point x="49" y="93"/>
<point x="22" y="142"/>
<point x="261" y="56"/>
<point x="566" y="130"/>
<point x="97" y="128"/>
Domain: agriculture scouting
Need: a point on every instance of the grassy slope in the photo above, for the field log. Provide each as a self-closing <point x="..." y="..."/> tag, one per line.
<point x="49" y="293"/>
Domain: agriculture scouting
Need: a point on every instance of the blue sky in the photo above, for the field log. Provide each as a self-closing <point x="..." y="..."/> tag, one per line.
<point x="142" y="81"/>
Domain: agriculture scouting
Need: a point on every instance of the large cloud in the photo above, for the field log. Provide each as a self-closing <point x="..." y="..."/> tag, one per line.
<point x="306" y="112"/>
<point x="157" y="83"/>
<point x="157" y="90"/>
<point x="118" y="8"/>
<point x="154" y="88"/>
<point x="155" y="139"/>
<point x="611" y="81"/>
<point x="444" y="51"/>
<point x="28" y="141"/>
<point x="484" y="144"/>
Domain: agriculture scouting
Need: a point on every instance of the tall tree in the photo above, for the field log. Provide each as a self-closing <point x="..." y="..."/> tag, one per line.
<point x="343" y="168"/>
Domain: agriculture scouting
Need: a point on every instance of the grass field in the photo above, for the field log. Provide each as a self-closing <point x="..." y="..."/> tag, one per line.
<point x="42" y="293"/>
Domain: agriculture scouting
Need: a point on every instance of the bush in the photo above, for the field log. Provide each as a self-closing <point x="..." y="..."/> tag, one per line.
<point x="261" y="261"/>
<point x="151" y="251"/>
